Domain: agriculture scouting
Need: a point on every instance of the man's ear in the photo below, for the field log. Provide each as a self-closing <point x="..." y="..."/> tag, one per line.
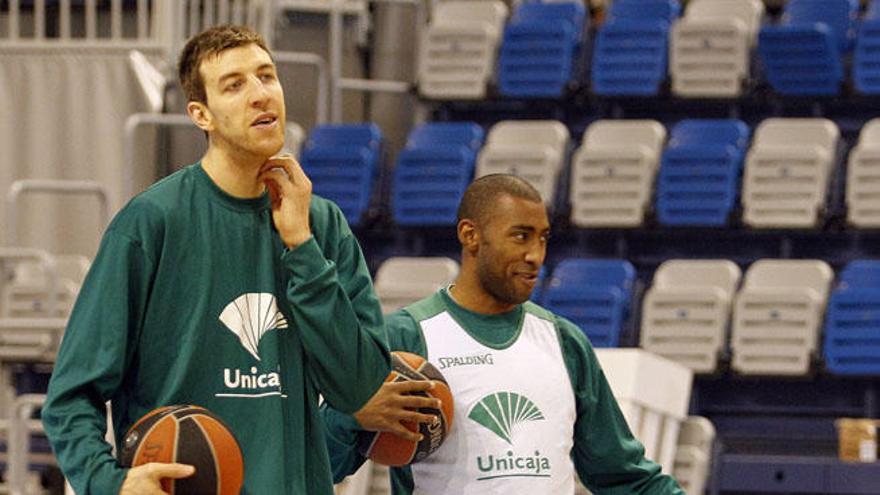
<point x="200" y="115"/>
<point x="468" y="235"/>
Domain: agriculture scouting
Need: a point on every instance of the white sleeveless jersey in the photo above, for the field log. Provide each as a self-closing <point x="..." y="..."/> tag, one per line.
<point x="514" y="416"/>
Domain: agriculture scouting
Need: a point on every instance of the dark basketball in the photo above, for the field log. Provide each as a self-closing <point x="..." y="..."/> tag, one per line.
<point x="390" y="449"/>
<point x="187" y="435"/>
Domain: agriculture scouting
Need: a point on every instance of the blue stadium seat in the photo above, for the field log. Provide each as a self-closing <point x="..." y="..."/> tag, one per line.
<point x="803" y="54"/>
<point x="691" y="132"/>
<point x="700" y="172"/>
<point x="866" y="59"/>
<point x="594" y="294"/>
<point x="539" y="48"/>
<point x="667" y="10"/>
<point x="342" y="161"/>
<point x="631" y="53"/>
<point x="852" y="323"/>
<point x="433" y="171"/>
<point x="453" y="133"/>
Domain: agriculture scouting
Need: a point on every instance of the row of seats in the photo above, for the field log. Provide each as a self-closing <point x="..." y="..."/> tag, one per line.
<point x="435" y="167"/>
<point x="775" y="316"/>
<point x="624" y="170"/>
<point x="695" y="311"/>
<point x="707" y="52"/>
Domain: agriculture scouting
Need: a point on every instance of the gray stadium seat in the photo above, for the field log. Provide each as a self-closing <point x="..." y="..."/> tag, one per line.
<point x="612" y="176"/>
<point x="404" y="280"/>
<point x="459" y="48"/>
<point x="532" y="149"/>
<point x="786" y="184"/>
<point x="777" y="316"/>
<point x="863" y="179"/>
<point x="686" y="312"/>
<point x="710" y="49"/>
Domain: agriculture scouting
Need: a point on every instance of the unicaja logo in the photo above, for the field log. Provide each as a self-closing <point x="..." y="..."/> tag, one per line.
<point x="501" y="413"/>
<point x="250" y="316"/>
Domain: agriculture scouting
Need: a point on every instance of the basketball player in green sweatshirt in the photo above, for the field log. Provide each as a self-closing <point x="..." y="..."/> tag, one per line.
<point x="532" y="406"/>
<point x="227" y="285"/>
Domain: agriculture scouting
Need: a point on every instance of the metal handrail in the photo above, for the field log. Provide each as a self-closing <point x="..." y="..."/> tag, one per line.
<point x="340" y="83"/>
<point x="64" y="21"/>
<point x="51" y="186"/>
<point x="375" y="86"/>
<point x="132" y="123"/>
<point x="152" y="82"/>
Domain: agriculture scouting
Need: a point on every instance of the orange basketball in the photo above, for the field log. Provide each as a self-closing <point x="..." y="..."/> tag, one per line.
<point x="188" y="435"/>
<point x="390" y="449"/>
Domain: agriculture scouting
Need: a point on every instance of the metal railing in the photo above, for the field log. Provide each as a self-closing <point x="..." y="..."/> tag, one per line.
<point x="166" y="24"/>
<point x="339" y="83"/>
<point x="50" y="186"/>
<point x="162" y="24"/>
<point x="59" y="30"/>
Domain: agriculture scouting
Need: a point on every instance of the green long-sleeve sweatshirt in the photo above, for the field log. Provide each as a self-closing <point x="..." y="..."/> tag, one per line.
<point x="604" y="452"/>
<point x="194" y="299"/>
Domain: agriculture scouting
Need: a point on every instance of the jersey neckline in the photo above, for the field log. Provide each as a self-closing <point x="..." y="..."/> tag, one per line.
<point x="242" y="204"/>
<point x="490" y="330"/>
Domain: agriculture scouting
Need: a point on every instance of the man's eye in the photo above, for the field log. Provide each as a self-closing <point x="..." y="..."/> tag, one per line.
<point x="268" y="77"/>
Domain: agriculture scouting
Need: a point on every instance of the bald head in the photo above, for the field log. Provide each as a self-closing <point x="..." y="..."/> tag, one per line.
<point x="482" y="195"/>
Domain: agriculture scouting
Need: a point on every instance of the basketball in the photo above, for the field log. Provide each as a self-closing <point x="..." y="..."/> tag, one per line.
<point x="392" y="450"/>
<point x="188" y="435"/>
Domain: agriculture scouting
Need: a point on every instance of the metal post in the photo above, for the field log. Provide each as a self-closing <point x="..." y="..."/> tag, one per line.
<point x="336" y="61"/>
<point x="19" y="440"/>
<point x="116" y="19"/>
<point x="64" y="19"/>
<point x="14" y="14"/>
<point x="91" y="19"/>
<point x="40" y="19"/>
<point x="142" y="20"/>
<point x="150" y="79"/>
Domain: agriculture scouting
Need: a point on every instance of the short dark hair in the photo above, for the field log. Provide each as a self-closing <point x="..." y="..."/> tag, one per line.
<point x="481" y="194"/>
<point x="208" y="43"/>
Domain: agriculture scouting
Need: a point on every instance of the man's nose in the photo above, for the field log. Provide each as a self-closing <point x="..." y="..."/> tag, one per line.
<point x="259" y="92"/>
<point x="536" y="252"/>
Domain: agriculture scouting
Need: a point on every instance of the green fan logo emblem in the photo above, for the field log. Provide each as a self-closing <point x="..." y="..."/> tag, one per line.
<point x="502" y="411"/>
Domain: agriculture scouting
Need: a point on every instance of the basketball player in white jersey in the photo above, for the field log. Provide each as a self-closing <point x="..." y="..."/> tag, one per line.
<point x="532" y="405"/>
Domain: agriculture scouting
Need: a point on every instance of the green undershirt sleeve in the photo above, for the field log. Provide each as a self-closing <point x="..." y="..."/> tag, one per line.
<point x="607" y="457"/>
<point x="342" y="430"/>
